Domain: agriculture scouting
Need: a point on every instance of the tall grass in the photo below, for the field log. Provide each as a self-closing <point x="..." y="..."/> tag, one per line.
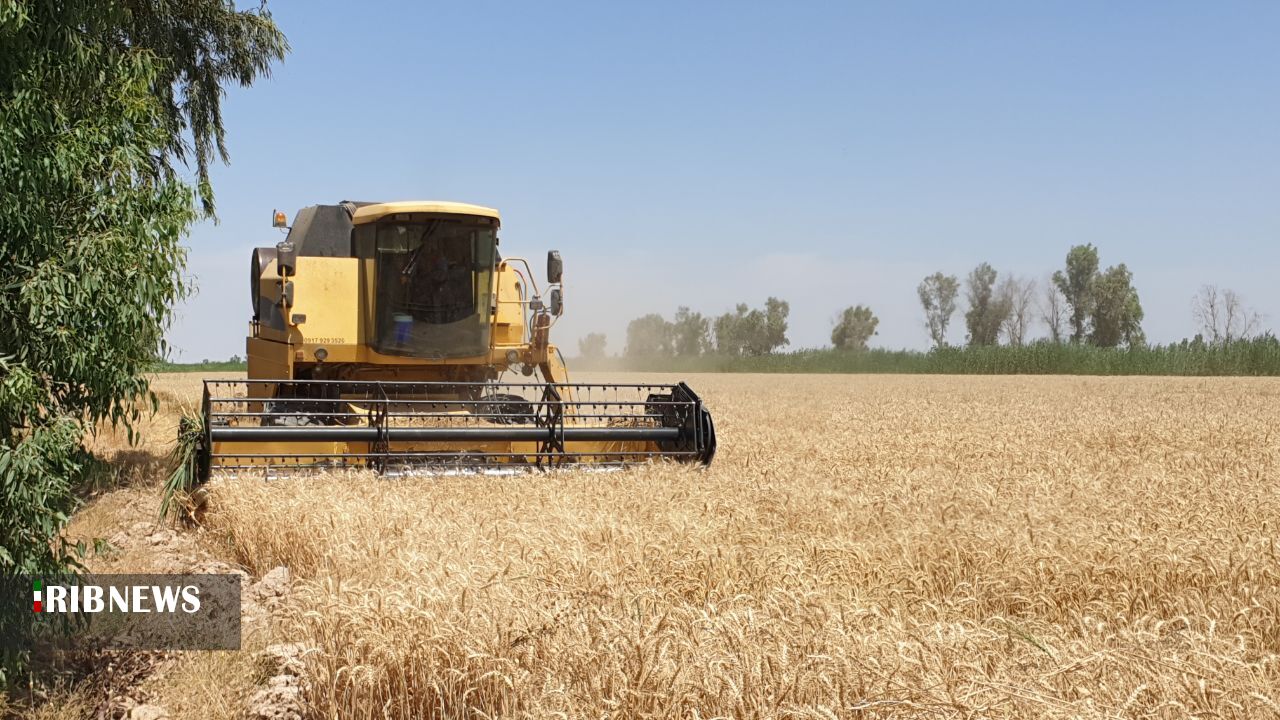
<point x="206" y="366"/>
<point x="1253" y="357"/>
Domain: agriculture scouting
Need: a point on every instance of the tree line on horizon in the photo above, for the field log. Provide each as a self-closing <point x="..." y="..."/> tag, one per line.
<point x="1081" y="303"/>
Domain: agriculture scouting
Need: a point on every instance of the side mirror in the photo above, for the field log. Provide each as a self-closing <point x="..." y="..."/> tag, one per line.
<point x="555" y="267"/>
<point x="556" y="304"/>
<point x="258" y="263"/>
<point x="284" y="258"/>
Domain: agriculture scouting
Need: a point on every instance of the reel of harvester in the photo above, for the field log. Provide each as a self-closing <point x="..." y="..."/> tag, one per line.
<point x="271" y="428"/>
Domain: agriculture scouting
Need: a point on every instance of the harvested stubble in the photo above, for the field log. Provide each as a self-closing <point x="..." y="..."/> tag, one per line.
<point x="863" y="547"/>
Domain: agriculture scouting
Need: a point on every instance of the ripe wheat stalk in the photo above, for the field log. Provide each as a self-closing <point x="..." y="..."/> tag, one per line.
<point x="863" y="547"/>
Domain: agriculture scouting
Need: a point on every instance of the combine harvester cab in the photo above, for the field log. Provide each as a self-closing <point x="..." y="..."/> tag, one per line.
<point x="382" y="338"/>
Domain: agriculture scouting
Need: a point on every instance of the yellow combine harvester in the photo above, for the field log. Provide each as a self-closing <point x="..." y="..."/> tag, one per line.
<point x="381" y="338"/>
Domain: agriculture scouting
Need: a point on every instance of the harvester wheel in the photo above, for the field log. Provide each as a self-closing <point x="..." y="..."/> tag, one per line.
<point x="292" y="409"/>
<point x="293" y="419"/>
<point x="507" y="409"/>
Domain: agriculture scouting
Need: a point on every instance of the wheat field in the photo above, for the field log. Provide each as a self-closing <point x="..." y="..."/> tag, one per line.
<point x="863" y="546"/>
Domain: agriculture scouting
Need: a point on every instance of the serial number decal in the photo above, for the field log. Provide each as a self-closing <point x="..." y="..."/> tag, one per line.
<point x="327" y="340"/>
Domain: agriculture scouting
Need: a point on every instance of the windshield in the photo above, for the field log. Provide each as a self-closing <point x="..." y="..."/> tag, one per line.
<point x="434" y="281"/>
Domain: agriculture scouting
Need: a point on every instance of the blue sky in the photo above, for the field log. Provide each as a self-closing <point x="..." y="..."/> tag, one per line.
<point x="827" y="153"/>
